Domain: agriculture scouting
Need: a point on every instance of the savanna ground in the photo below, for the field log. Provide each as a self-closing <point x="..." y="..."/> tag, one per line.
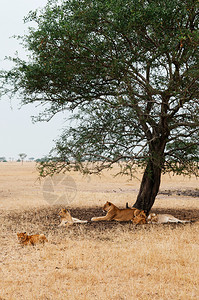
<point x="105" y="260"/>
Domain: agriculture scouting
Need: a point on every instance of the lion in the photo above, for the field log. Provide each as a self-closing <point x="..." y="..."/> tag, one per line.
<point x="164" y="218"/>
<point x="140" y="218"/>
<point x="25" y="239"/>
<point x="117" y="214"/>
<point x="67" y="219"/>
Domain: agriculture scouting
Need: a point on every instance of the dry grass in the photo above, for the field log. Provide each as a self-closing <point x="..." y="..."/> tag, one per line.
<point x="95" y="261"/>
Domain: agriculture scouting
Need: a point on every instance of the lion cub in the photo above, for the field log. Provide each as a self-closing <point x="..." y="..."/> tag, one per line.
<point x="140" y="218"/>
<point x="25" y="239"/>
<point x="164" y="218"/>
<point x="67" y="219"/>
<point x="114" y="213"/>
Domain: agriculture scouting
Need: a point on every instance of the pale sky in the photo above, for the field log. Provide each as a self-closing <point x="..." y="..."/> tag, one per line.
<point x="18" y="133"/>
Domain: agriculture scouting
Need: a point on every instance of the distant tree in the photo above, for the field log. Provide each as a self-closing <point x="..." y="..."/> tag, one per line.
<point x="31" y="158"/>
<point x="2" y="158"/>
<point x="129" y="71"/>
<point x="38" y="160"/>
<point x="22" y="157"/>
<point x="42" y="160"/>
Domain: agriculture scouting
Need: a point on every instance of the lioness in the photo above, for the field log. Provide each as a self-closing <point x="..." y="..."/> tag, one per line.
<point x="25" y="239"/>
<point x="163" y="218"/>
<point x="117" y="214"/>
<point x="67" y="219"/>
<point x="140" y="218"/>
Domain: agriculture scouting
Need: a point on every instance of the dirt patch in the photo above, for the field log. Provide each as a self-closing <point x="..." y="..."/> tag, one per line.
<point x="46" y="220"/>
<point x="189" y="192"/>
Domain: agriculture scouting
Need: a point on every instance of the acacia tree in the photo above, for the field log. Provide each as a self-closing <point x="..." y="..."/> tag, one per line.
<point x="22" y="157"/>
<point x="128" y="70"/>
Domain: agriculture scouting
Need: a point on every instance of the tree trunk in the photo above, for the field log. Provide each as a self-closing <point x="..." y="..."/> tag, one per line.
<point x="149" y="187"/>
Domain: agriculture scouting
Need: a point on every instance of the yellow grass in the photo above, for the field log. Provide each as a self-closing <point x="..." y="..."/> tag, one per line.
<point x="123" y="262"/>
<point x="20" y="187"/>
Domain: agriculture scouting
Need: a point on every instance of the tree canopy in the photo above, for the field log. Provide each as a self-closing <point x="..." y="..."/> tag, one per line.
<point x="129" y="72"/>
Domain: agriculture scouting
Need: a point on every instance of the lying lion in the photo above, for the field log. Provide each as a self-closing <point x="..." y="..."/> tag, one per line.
<point x="114" y="213"/>
<point x="67" y="219"/>
<point x="25" y="239"/>
<point x="140" y="218"/>
<point x="164" y="218"/>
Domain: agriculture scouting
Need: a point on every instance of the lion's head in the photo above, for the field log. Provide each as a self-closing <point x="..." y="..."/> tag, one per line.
<point x="107" y="206"/>
<point x="152" y="218"/>
<point x="22" y="236"/>
<point x="64" y="213"/>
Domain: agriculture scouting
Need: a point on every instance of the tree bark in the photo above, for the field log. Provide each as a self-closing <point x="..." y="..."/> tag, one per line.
<point x="152" y="177"/>
<point x="149" y="187"/>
